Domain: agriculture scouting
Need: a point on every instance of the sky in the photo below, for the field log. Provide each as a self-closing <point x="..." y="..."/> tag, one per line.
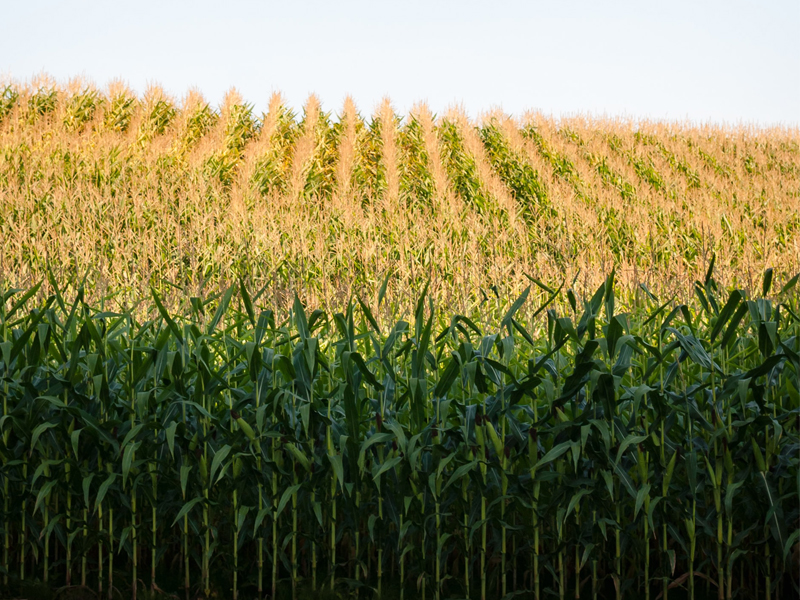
<point x="720" y="62"/>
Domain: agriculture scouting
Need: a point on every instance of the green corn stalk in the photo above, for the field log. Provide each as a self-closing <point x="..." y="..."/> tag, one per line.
<point x="533" y="453"/>
<point x="331" y="454"/>
<point x="277" y="458"/>
<point x="23" y="539"/>
<point x="402" y="562"/>
<point x="135" y="553"/>
<point x="642" y="462"/>
<point x="294" y="536"/>
<point x="577" y="554"/>
<point x="465" y="498"/>
<point x="46" y="511"/>
<point x="110" y="549"/>
<point x="482" y="451"/>
<point x="153" y="529"/>
<point x="257" y="390"/>
<point x="691" y="531"/>
<point x="6" y="523"/>
<point x="69" y="527"/>
<point x="100" y="543"/>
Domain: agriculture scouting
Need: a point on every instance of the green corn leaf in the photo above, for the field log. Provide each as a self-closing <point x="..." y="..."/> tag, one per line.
<point x="40" y="429"/>
<point x="554" y="453"/>
<point x="631" y="439"/>
<point x="389" y="464"/>
<point x="44" y="493"/>
<point x="86" y="485"/>
<point x="127" y="460"/>
<point x="459" y="473"/>
<point x="187" y="506"/>
<point x="103" y="490"/>
<point x="75" y="438"/>
<point x="573" y="502"/>
<point x="165" y="315"/>
<point x="643" y="493"/>
<point x="338" y="469"/>
<point x="185" y="469"/>
<point x="382" y="290"/>
<point x="259" y="519"/>
<point x="216" y="462"/>
<point x="170" y="434"/>
<point x="287" y="494"/>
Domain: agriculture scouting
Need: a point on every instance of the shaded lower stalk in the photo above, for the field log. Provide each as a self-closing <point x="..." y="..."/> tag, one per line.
<point x="46" y="544"/>
<point x="333" y="531"/>
<point x="617" y="556"/>
<point x="402" y="562"/>
<point x="275" y="458"/>
<point x="560" y="531"/>
<point x="6" y="522"/>
<point x="23" y="537"/>
<point x="313" y="551"/>
<point x="134" y="544"/>
<point x="69" y="528"/>
<point x="483" y="548"/>
<point x="294" y="538"/>
<point x="358" y="535"/>
<point x="466" y="536"/>
<point x="100" y="552"/>
<point x="7" y="530"/>
<point x="235" y="547"/>
<point x="153" y="529"/>
<point x="577" y="554"/>
<point x="665" y="578"/>
<point x="206" y="547"/>
<point x="186" y="577"/>
<point x="85" y="536"/>
<point x="110" y="551"/>
<point x="260" y="537"/>
<point x="594" y="561"/>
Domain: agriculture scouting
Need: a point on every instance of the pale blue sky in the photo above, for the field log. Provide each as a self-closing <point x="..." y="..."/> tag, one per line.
<point x="726" y="61"/>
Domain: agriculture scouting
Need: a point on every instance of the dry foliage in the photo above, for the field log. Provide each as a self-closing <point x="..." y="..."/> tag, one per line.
<point x="132" y="192"/>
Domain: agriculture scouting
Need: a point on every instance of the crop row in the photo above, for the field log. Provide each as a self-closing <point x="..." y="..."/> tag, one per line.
<point x="141" y="190"/>
<point x="589" y="451"/>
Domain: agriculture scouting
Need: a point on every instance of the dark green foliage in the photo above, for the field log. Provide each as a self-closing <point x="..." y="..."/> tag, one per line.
<point x="600" y="444"/>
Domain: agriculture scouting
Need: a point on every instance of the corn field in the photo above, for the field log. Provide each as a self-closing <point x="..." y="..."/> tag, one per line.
<point x="132" y="191"/>
<point x="559" y="446"/>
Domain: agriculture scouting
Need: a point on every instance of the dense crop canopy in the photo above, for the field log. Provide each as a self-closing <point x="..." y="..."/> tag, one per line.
<point x="619" y="451"/>
<point x="133" y="191"/>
